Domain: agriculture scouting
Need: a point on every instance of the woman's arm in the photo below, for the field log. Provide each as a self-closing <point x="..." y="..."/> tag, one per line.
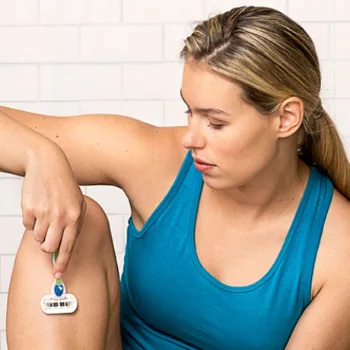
<point x="52" y="203"/>
<point x="85" y="149"/>
<point x="101" y="149"/>
<point x="325" y="324"/>
<point x="19" y="145"/>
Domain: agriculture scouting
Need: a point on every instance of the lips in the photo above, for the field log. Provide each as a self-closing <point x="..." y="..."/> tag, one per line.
<point x="201" y="161"/>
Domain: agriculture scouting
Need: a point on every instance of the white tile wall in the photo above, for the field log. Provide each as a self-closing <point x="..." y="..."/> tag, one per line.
<point x="338" y="49"/>
<point x="341" y="10"/>
<point x="7" y="262"/>
<point x="10" y="190"/>
<point x="39" y="44"/>
<point x="79" y="11"/>
<point x="3" y="304"/>
<point x="157" y="11"/>
<point x="327" y="71"/>
<point x="311" y="10"/>
<point x="111" y="199"/>
<point x="112" y="43"/>
<point x="213" y="6"/>
<point x="80" y="82"/>
<point x="174" y="36"/>
<point x="18" y="12"/>
<point x="65" y="57"/>
<point x="117" y="225"/>
<point x="342" y="108"/>
<point x="3" y="343"/>
<point x="174" y="113"/>
<point x="153" y="86"/>
<point x="341" y="79"/>
<point x="19" y="82"/>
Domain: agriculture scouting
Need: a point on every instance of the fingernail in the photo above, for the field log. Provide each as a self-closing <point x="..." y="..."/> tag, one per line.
<point x="58" y="275"/>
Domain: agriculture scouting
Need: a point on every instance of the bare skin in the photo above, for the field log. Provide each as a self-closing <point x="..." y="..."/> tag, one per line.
<point x="92" y="277"/>
<point x="257" y="174"/>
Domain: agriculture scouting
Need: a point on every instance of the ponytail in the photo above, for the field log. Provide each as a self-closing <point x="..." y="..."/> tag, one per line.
<point x="324" y="149"/>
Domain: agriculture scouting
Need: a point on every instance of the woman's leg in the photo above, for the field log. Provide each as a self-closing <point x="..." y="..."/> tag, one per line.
<point x="92" y="276"/>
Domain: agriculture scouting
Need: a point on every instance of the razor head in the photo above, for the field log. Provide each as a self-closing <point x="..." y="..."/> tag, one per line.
<point x="53" y="305"/>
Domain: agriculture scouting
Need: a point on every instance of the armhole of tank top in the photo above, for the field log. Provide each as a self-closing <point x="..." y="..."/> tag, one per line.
<point x="327" y="195"/>
<point x="131" y="229"/>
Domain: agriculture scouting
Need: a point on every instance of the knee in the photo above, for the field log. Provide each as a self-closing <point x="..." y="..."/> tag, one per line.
<point x="95" y="234"/>
<point x="94" y="240"/>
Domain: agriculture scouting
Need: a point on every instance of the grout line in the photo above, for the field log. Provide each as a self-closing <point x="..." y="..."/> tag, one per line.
<point x="129" y="100"/>
<point x="8" y="254"/>
<point x="89" y="63"/>
<point x="137" y="24"/>
<point x="104" y="24"/>
<point x="117" y="63"/>
<point x="137" y="99"/>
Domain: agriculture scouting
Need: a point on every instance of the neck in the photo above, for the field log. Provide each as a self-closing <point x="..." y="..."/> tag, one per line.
<point x="269" y="194"/>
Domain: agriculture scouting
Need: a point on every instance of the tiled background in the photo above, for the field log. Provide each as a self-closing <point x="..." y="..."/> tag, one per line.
<point x="66" y="57"/>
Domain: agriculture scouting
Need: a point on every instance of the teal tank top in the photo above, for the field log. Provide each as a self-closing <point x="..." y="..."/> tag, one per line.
<point x="169" y="301"/>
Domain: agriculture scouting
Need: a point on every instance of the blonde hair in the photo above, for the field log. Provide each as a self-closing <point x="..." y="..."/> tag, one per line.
<point x="272" y="58"/>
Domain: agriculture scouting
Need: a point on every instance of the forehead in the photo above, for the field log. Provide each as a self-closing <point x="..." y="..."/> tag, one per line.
<point x="201" y="85"/>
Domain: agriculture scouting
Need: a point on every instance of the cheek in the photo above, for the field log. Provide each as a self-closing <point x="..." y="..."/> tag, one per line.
<point x="250" y="144"/>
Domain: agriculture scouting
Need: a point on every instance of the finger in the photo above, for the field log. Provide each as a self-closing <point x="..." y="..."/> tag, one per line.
<point x="53" y="238"/>
<point x="28" y="221"/>
<point x="66" y="248"/>
<point x="40" y="229"/>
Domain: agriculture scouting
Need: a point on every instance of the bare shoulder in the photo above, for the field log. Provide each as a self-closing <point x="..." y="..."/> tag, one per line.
<point x="325" y="322"/>
<point x="337" y="226"/>
<point x="156" y="153"/>
<point x="333" y="261"/>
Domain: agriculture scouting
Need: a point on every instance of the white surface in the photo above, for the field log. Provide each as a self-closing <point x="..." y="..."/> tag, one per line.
<point x="112" y="43"/>
<point x="65" y="57"/>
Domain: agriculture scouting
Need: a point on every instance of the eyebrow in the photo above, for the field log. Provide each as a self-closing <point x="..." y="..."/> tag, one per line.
<point x="206" y="110"/>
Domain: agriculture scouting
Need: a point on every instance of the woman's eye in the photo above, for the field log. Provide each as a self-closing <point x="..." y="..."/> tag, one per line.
<point x="215" y="126"/>
<point x="211" y="125"/>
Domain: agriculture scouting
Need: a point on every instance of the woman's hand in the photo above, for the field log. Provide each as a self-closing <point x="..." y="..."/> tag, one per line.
<point x="53" y="205"/>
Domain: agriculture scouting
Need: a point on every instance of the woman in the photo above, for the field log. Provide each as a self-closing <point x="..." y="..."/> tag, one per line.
<point x="239" y="233"/>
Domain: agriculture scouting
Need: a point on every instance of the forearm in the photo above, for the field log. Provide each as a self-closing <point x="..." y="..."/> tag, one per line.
<point x="20" y="144"/>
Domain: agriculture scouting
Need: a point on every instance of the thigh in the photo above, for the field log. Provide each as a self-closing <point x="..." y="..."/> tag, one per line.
<point x="92" y="276"/>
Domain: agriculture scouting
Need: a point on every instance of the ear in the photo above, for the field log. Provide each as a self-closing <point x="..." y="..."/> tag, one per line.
<point x="291" y="113"/>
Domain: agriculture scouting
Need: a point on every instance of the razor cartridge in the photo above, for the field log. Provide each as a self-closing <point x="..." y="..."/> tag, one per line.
<point x="58" y="302"/>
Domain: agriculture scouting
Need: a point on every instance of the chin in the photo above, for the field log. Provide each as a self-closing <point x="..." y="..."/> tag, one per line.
<point x="217" y="183"/>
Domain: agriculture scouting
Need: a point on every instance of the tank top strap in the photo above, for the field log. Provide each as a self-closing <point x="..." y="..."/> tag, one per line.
<point x="301" y="256"/>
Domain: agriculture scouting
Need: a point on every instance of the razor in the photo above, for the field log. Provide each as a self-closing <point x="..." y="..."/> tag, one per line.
<point x="58" y="301"/>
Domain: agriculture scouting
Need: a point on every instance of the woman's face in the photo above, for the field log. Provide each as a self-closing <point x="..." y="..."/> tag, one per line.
<point x="239" y="141"/>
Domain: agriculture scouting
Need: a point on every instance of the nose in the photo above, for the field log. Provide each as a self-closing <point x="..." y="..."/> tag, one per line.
<point x="193" y="139"/>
